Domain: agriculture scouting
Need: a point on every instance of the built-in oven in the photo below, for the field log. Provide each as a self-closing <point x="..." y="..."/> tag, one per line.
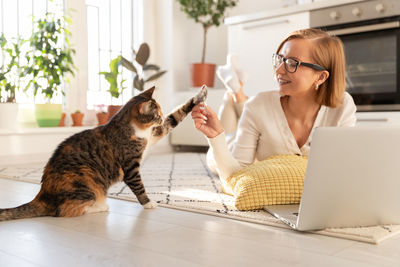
<point x="370" y="31"/>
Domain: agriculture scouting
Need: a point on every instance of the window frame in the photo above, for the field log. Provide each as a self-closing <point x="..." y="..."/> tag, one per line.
<point x="76" y="90"/>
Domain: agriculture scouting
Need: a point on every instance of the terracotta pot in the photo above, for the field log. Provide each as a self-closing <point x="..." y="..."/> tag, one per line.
<point x="112" y="110"/>
<point x="202" y="73"/>
<point x="62" y="120"/>
<point x="77" y="119"/>
<point x="102" y="118"/>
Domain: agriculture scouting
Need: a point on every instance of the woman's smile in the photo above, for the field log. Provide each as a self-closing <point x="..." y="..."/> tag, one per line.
<point x="282" y="81"/>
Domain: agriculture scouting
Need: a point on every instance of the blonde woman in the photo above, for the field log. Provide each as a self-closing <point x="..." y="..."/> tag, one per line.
<point x="310" y="69"/>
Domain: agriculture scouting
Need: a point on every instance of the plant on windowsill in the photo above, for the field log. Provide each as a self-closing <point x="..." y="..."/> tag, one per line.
<point x="77" y="118"/>
<point x="102" y="115"/>
<point x="114" y="78"/>
<point x="10" y="74"/>
<point x="208" y="13"/>
<point x="142" y="72"/>
<point x="49" y="63"/>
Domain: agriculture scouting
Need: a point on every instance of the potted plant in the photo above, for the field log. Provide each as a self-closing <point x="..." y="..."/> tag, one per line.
<point x="207" y="13"/>
<point x="10" y="74"/>
<point x="77" y="118"/>
<point x="49" y="61"/>
<point x="62" y="120"/>
<point x="142" y="72"/>
<point x="102" y="115"/>
<point x="114" y="78"/>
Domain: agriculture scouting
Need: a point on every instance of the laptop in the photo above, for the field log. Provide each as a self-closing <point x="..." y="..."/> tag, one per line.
<point x="352" y="179"/>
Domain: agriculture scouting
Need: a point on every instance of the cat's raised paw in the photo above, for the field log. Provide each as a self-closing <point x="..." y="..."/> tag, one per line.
<point x="201" y="96"/>
<point x="150" y="205"/>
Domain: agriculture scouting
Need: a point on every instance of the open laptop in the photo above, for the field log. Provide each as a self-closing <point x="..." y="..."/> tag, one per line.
<point x="352" y="179"/>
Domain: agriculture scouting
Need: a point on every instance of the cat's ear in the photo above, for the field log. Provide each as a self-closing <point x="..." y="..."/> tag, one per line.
<point x="148" y="93"/>
<point x="145" y="107"/>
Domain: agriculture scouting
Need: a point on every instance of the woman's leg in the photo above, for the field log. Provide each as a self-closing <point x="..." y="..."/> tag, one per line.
<point x="229" y="115"/>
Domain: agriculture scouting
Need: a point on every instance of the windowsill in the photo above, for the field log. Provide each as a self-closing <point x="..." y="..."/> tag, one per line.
<point x="43" y="130"/>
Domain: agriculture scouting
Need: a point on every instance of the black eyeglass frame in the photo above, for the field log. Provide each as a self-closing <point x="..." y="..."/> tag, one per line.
<point x="298" y="63"/>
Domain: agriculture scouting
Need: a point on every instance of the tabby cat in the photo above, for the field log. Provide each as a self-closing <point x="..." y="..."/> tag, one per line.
<point x="84" y="166"/>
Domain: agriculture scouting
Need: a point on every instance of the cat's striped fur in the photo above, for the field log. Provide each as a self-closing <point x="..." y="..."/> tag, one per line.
<point x="84" y="166"/>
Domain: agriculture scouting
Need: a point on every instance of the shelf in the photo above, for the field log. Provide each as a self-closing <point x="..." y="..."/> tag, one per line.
<point x="43" y="130"/>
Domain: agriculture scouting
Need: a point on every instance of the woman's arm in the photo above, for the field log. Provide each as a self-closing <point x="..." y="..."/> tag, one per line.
<point x="207" y="122"/>
<point x="245" y="143"/>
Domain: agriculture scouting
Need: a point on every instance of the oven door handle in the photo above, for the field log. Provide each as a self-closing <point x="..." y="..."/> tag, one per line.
<point x="366" y="28"/>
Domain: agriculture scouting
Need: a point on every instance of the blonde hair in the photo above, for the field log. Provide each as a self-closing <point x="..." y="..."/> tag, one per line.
<point x="327" y="52"/>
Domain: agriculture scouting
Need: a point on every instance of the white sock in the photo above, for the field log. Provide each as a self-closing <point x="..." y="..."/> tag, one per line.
<point x="234" y="62"/>
<point x="228" y="77"/>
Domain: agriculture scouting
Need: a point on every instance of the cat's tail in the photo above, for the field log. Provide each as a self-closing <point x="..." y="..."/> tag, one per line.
<point x="28" y="210"/>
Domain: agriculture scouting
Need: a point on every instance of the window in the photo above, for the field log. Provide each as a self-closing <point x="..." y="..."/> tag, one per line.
<point x="114" y="27"/>
<point x="16" y="22"/>
<point x="111" y="30"/>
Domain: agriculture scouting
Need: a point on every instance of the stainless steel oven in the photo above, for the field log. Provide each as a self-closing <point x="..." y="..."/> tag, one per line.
<point x="370" y="31"/>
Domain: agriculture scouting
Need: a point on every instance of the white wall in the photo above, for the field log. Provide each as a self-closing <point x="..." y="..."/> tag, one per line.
<point x="158" y="26"/>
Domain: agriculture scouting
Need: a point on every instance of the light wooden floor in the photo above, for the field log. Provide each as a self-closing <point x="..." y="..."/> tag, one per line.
<point x="130" y="236"/>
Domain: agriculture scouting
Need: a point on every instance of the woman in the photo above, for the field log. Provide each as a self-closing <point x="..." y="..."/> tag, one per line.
<point x="310" y="69"/>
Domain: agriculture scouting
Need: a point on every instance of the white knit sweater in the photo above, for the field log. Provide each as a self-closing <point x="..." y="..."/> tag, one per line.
<point x="263" y="131"/>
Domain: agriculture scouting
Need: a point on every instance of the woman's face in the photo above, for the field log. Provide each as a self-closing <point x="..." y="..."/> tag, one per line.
<point x="303" y="81"/>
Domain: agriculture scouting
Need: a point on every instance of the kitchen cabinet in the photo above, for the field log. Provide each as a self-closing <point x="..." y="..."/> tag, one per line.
<point x="255" y="41"/>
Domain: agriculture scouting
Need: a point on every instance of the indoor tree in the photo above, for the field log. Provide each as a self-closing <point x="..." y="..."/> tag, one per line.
<point x="208" y="13"/>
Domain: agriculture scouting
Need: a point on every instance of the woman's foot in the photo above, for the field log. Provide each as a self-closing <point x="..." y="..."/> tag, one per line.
<point x="228" y="77"/>
<point x="234" y="62"/>
<point x="231" y="75"/>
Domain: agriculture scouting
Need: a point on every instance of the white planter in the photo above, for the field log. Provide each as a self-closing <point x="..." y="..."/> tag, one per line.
<point x="8" y="115"/>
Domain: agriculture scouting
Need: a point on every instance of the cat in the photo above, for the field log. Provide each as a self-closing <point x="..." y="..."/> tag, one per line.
<point x="77" y="176"/>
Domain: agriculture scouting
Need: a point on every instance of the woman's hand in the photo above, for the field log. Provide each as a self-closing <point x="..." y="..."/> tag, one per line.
<point x="206" y="121"/>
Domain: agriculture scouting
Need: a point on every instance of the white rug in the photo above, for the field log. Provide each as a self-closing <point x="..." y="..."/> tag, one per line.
<point x="182" y="181"/>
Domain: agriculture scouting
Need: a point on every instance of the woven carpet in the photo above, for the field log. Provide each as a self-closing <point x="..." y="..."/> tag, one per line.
<point x="182" y="181"/>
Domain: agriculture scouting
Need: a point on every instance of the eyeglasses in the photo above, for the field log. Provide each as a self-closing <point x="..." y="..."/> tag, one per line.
<point x="292" y="64"/>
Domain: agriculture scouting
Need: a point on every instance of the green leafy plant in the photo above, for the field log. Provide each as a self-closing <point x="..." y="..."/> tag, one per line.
<point x="208" y="13"/>
<point x="142" y="71"/>
<point x="50" y="58"/>
<point x="114" y="77"/>
<point x="10" y="71"/>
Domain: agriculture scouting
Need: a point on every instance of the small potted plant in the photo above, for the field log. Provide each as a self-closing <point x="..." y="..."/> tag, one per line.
<point x="49" y="62"/>
<point x="102" y="115"/>
<point x="10" y="73"/>
<point x="62" y="120"/>
<point x="207" y="13"/>
<point x="114" y="78"/>
<point x="77" y="118"/>
<point x="142" y="71"/>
